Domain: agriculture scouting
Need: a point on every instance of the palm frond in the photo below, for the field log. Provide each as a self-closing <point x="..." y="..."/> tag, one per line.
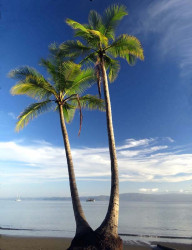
<point x="126" y="45"/>
<point x="82" y="82"/>
<point x="31" y="90"/>
<point x="61" y="55"/>
<point x="93" y="38"/>
<point x="53" y="48"/>
<point x="89" y="39"/>
<point x="77" y="105"/>
<point x="50" y="67"/>
<point x="92" y="102"/>
<point x="31" y="112"/>
<point x="22" y="72"/>
<point x="113" y="66"/>
<point x="73" y="48"/>
<point x="90" y="35"/>
<point x="70" y="70"/>
<point x="89" y="59"/>
<point x="82" y="31"/>
<point x="87" y="101"/>
<point x="60" y="71"/>
<point x="131" y="59"/>
<point x="31" y="84"/>
<point x="98" y="36"/>
<point x="69" y="112"/>
<point x="75" y="25"/>
<point x="66" y="73"/>
<point x="111" y="18"/>
<point x="95" y="21"/>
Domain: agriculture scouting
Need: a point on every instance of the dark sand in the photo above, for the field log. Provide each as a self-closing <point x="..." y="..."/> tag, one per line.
<point x="43" y="243"/>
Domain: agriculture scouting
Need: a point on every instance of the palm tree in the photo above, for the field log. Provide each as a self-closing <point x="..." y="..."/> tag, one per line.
<point x="61" y="92"/>
<point x="101" y="47"/>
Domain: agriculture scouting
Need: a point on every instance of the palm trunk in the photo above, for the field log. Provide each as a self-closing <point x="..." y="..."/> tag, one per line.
<point x="82" y="226"/>
<point x="110" y="223"/>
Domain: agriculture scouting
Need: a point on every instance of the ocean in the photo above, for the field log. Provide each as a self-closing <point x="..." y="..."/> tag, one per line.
<point x="138" y="221"/>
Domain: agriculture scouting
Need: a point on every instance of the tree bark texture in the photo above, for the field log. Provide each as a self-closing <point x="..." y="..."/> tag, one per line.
<point x="82" y="225"/>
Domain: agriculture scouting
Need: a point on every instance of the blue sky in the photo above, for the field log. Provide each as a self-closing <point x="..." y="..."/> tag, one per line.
<point x="151" y="102"/>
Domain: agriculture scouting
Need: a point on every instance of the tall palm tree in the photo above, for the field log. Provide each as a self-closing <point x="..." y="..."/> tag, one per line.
<point x="101" y="47"/>
<point x="61" y="92"/>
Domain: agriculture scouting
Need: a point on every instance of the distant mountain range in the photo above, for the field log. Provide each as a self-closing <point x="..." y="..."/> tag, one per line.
<point x="138" y="197"/>
<point x="172" y="197"/>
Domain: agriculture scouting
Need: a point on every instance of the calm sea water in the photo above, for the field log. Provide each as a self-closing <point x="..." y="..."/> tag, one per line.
<point x="138" y="220"/>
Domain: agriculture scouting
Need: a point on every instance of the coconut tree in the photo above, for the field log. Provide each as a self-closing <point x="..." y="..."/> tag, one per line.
<point x="62" y="93"/>
<point x="100" y="46"/>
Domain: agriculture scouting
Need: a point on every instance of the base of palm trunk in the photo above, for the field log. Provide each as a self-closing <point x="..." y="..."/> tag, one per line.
<point x="95" y="241"/>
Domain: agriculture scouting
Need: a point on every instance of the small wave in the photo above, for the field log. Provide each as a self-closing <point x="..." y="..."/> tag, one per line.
<point x="28" y="229"/>
<point x="14" y="229"/>
<point x="156" y="236"/>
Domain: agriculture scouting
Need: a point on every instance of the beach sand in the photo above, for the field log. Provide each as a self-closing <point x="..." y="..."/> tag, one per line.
<point x="43" y="243"/>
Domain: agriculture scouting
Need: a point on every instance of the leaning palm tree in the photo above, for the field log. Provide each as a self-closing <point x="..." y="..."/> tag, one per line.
<point x="62" y="93"/>
<point x="101" y="47"/>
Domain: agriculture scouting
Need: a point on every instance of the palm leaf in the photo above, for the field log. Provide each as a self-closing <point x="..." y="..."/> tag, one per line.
<point x="50" y="67"/>
<point x="92" y="102"/>
<point x="131" y="59"/>
<point x="82" y="31"/>
<point x="31" y="112"/>
<point x="31" y="83"/>
<point x="95" y="21"/>
<point x="75" y="25"/>
<point x="82" y="82"/>
<point x="113" y="66"/>
<point x="22" y="72"/>
<point x="126" y="45"/>
<point x="91" y="36"/>
<point x="97" y="35"/>
<point x="73" y="48"/>
<point x="91" y="58"/>
<point x="70" y="70"/>
<point x="53" y="48"/>
<point x="88" y="101"/>
<point x="67" y="72"/>
<point x="111" y="18"/>
<point x="69" y="112"/>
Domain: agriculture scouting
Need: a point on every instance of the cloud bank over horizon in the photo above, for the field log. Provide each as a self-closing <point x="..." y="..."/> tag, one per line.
<point x="152" y="160"/>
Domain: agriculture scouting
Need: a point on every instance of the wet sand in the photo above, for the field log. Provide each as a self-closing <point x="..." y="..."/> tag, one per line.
<point x="43" y="243"/>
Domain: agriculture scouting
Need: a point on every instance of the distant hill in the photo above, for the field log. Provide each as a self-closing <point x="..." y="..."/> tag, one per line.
<point x="138" y="197"/>
<point x="172" y="197"/>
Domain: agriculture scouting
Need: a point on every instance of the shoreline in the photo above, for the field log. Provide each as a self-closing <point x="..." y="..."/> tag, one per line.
<point x="54" y="243"/>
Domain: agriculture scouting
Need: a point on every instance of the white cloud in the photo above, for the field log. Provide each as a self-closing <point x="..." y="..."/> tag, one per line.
<point x="12" y="115"/>
<point x="172" y="21"/>
<point x="148" y="190"/>
<point x="184" y="191"/>
<point x="131" y="143"/>
<point x="145" y="160"/>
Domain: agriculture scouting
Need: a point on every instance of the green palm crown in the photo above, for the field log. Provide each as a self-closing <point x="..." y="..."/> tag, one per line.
<point x="100" y="42"/>
<point x="65" y="87"/>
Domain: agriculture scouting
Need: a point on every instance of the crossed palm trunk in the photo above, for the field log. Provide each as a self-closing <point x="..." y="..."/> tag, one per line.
<point x="101" y="47"/>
